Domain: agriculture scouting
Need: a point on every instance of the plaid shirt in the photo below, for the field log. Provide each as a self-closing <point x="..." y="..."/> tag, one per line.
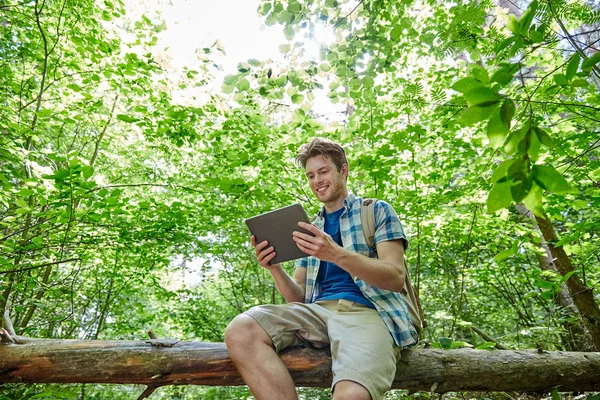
<point x="391" y="305"/>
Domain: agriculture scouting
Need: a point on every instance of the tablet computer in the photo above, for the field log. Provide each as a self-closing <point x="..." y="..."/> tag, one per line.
<point x="277" y="227"/>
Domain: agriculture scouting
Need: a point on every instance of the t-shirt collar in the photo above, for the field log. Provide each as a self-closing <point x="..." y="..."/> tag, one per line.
<point x="348" y="201"/>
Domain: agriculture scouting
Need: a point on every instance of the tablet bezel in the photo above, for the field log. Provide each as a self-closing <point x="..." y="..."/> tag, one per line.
<point x="277" y="227"/>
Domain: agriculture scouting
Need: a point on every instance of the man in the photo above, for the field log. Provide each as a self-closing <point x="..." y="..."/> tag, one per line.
<point x="343" y="295"/>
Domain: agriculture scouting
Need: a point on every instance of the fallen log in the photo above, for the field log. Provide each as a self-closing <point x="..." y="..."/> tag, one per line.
<point x="169" y="362"/>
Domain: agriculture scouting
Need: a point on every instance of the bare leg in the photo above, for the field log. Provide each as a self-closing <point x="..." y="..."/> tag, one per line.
<point x="251" y="350"/>
<point x="350" y="390"/>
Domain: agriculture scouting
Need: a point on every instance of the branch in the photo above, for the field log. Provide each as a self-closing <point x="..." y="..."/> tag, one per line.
<point x="488" y="338"/>
<point x="146" y="393"/>
<point x="39" y="266"/>
<point x="347" y="15"/>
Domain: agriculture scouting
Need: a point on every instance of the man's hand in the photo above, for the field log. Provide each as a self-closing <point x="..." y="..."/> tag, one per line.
<point x="321" y="245"/>
<point x="264" y="253"/>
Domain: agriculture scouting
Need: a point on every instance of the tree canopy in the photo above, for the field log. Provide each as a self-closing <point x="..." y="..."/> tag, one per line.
<point x="125" y="181"/>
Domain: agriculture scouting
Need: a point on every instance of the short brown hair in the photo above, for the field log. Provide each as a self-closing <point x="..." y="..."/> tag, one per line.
<point x="322" y="147"/>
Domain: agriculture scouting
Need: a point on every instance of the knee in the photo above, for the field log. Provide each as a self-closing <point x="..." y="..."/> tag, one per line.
<point x="242" y="332"/>
<point x="350" y="390"/>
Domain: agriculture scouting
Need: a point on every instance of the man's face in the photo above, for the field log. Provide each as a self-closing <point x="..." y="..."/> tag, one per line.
<point x="326" y="182"/>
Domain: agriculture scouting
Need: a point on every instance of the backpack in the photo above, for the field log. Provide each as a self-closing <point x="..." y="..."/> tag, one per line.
<point x="367" y="220"/>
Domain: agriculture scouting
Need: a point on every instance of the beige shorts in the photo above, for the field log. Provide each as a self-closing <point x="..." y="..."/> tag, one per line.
<point x="362" y="348"/>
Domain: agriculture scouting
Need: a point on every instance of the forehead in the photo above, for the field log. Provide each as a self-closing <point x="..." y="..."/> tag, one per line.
<point x="314" y="164"/>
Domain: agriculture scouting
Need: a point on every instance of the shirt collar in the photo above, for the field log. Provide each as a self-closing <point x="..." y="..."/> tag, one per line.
<point x="348" y="201"/>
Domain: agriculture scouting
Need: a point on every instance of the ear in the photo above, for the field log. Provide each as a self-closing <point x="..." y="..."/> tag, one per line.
<point x="345" y="170"/>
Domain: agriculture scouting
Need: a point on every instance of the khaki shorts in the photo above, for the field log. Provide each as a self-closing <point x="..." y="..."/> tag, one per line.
<point x="362" y="348"/>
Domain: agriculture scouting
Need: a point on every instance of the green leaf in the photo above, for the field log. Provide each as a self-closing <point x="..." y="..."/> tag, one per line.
<point x="536" y="36"/>
<point x="591" y="61"/>
<point x="521" y="188"/>
<point x="294" y="7"/>
<point x="565" y="278"/>
<point x="289" y="32"/>
<point x="513" y="24"/>
<point x="476" y="114"/>
<point x="505" y="254"/>
<point x="230" y="80"/>
<point x="501" y="170"/>
<point x="496" y="131"/>
<point x="549" y="179"/>
<point x="534" y="146"/>
<point x="297" y="98"/>
<point x="264" y="8"/>
<point x="480" y="74"/>
<point x="543" y="137"/>
<point x="560" y="79"/>
<point x="533" y="200"/>
<point x="87" y="172"/>
<point x="527" y="16"/>
<point x="573" y="66"/>
<point x="466" y="84"/>
<point x="126" y="118"/>
<point x="254" y="62"/>
<point x="499" y="197"/>
<point x="243" y="84"/>
<point x="481" y="95"/>
<point x="514" y="138"/>
<point x="579" y="83"/>
<point x="21" y="203"/>
<point x="507" y="111"/>
<point x="396" y="32"/>
<point x="544" y="284"/>
<point x="445" y="342"/>
<point x="74" y="87"/>
<point x="505" y="74"/>
<point x="286" y="17"/>
<point x="505" y="43"/>
<point x="486" y="346"/>
<point x="568" y="239"/>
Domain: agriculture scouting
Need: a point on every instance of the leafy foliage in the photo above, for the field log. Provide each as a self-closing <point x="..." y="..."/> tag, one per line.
<point x="122" y="205"/>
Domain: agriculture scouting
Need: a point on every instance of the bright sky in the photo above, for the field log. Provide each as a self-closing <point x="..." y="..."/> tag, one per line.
<point x="193" y="24"/>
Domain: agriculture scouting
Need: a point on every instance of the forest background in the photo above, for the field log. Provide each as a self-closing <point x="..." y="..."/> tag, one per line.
<point x="125" y="178"/>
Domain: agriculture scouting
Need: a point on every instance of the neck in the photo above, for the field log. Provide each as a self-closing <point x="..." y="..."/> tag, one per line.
<point x="337" y="203"/>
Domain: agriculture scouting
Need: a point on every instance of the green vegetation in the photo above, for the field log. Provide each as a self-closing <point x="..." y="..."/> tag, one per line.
<point x="463" y="115"/>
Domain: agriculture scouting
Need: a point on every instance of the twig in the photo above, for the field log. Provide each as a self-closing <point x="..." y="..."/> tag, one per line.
<point x="146" y="393"/>
<point x="488" y="338"/>
<point x="347" y="15"/>
<point x="5" y="337"/>
<point x="39" y="266"/>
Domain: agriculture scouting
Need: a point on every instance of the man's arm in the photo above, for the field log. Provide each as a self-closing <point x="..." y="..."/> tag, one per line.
<point x="291" y="289"/>
<point x="385" y="272"/>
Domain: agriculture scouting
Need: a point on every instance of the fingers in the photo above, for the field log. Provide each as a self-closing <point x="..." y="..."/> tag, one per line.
<point x="268" y="252"/>
<point x="304" y="237"/>
<point x="309" y="227"/>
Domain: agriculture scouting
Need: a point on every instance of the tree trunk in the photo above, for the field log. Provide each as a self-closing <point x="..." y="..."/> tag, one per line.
<point x="577" y="338"/>
<point x="169" y="362"/>
<point x="581" y="294"/>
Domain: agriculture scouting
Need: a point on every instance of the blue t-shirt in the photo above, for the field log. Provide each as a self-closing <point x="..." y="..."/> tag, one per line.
<point x="335" y="282"/>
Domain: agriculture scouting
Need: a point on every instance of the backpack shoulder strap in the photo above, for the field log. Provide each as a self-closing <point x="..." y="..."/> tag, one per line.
<point x="367" y="220"/>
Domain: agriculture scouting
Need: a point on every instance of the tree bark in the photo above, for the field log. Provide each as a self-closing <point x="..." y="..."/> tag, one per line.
<point x="582" y="295"/>
<point x="577" y="338"/>
<point x="163" y="362"/>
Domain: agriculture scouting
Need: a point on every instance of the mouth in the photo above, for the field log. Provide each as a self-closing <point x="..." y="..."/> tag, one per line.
<point x="322" y="189"/>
